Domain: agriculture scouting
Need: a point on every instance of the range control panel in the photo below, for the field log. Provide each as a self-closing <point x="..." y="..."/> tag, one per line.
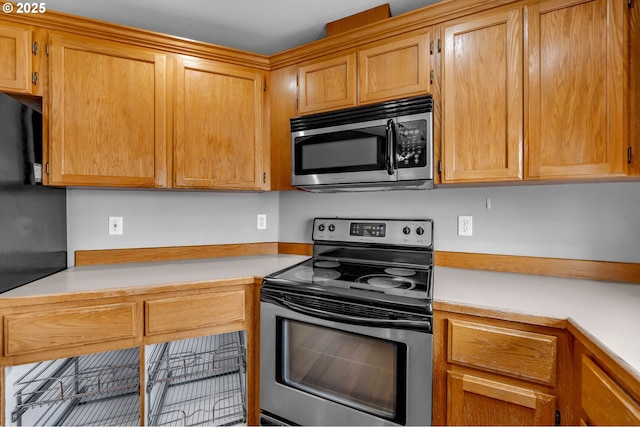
<point x="402" y="232"/>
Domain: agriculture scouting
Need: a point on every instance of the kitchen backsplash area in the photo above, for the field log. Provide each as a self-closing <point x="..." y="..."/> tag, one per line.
<point x="579" y="221"/>
<point x="167" y="218"/>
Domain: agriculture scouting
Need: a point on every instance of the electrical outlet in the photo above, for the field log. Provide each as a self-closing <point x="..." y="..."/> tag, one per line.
<point x="115" y="225"/>
<point x="261" y="222"/>
<point x="465" y="225"/>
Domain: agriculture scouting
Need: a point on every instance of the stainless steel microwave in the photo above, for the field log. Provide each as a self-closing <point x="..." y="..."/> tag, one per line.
<point x="375" y="147"/>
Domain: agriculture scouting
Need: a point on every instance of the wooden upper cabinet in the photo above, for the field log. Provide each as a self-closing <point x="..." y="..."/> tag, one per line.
<point x="219" y="113"/>
<point x="15" y="58"/>
<point x="394" y="69"/>
<point x="576" y="77"/>
<point x="107" y="113"/>
<point x="475" y="400"/>
<point x="482" y="97"/>
<point x="327" y="83"/>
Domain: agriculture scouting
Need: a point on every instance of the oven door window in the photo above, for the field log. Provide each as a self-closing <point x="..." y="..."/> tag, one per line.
<point x="343" y="151"/>
<point x="362" y="372"/>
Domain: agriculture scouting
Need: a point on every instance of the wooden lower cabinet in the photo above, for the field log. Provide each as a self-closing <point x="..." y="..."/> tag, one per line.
<point x="495" y="372"/>
<point x="141" y="352"/>
<point x="474" y="400"/>
<point x="606" y="393"/>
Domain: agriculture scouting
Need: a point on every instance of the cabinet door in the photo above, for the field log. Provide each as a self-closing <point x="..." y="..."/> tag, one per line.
<point x="394" y="69"/>
<point x="576" y="81"/>
<point x="15" y="58"/>
<point x="603" y="400"/>
<point x="478" y="401"/>
<point x="327" y="84"/>
<point x="107" y="114"/>
<point x="219" y="139"/>
<point x="482" y="98"/>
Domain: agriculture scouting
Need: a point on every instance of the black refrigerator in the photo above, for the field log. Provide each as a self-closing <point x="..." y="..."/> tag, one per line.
<point x="33" y="218"/>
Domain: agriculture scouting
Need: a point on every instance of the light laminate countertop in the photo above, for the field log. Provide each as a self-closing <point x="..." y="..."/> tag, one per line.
<point x="607" y="312"/>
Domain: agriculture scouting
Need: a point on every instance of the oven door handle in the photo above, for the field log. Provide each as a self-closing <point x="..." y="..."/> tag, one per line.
<point x="424" y="325"/>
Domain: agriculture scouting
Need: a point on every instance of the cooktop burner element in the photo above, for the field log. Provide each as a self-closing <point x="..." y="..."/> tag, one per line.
<point x="384" y="281"/>
<point x="326" y="264"/>
<point x="405" y="272"/>
<point x="316" y="274"/>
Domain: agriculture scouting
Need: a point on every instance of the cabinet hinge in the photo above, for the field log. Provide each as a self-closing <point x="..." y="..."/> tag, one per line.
<point x="431" y="47"/>
<point x="439" y="45"/>
<point x="34" y="78"/>
<point x="47" y="50"/>
<point x="431" y="76"/>
<point x="264" y="177"/>
<point x="439" y="167"/>
<point x="264" y="86"/>
<point x="48" y="168"/>
<point x="34" y="48"/>
<point x="558" y="418"/>
<point x="630" y="3"/>
<point x="629" y="154"/>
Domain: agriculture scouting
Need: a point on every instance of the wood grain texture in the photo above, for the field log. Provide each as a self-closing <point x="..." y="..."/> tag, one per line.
<point x="219" y="117"/>
<point x="180" y="313"/>
<point x="634" y="89"/>
<point x="295" y="248"/>
<point x="519" y="354"/>
<point x="172" y="253"/>
<point x="616" y="368"/>
<point x="415" y="21"/>
<point x="366" y="17"/>
<point x="283" y="106"/>
<point x="124" y="142"/>
<point x="473" y="400"/>
<point x="576" y="79"/>
<point x="556" y="267"/>
<point x="436" y="90"/>
<point x="327" y="83"/>
<point x="51" y="329"/>
<point x="77" y="25"/>
<point x="394" y="69"/>
<point x="604" y="401"/>
<point x="482" y="98"/>
<point x="15" y="58"/>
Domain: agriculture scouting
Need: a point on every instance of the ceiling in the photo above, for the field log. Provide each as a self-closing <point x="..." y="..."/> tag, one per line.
<point x="260" y="26"/>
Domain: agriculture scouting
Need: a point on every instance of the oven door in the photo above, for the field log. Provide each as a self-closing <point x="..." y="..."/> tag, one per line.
<point x="318" y="371"/>
<point x="345" y="154"/>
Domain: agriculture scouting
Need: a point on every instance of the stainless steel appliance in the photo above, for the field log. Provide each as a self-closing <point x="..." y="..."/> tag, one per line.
<point x="373" y="147"/>
<point x="346" y="336"/>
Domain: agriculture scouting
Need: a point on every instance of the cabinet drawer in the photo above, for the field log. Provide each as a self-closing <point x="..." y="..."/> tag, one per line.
<point x="604" y="401"/>
<point x="511" y="352"/>
<point x="197" y="311"/>
<point x="46" y="330"/>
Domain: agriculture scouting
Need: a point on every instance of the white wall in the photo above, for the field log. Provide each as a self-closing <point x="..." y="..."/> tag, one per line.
<point x="167" y="218"/>
<point x="580" y="221"/>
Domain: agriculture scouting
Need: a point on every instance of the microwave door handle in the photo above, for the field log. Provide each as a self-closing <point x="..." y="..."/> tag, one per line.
<point x="391" y="147"/>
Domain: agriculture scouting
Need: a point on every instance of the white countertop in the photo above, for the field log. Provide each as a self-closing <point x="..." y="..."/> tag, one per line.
<point x="607" y="312"/>
<point x="108" y="277"/>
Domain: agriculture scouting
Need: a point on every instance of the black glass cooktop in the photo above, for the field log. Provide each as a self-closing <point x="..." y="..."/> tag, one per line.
<point x="401" y="280"/>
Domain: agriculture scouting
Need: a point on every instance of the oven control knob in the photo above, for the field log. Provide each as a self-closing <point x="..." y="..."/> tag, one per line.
<point x="406" y="230"/>
<point x="332" y="227"/>
<point x="321" y="227"/>
<point x="419" y="231"/>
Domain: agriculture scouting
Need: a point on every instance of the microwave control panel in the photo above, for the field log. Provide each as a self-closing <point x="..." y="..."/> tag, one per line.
<point x="411" y="144"/>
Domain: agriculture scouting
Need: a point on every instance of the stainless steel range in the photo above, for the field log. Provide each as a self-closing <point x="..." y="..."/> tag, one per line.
<point x="346" y="336"/>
